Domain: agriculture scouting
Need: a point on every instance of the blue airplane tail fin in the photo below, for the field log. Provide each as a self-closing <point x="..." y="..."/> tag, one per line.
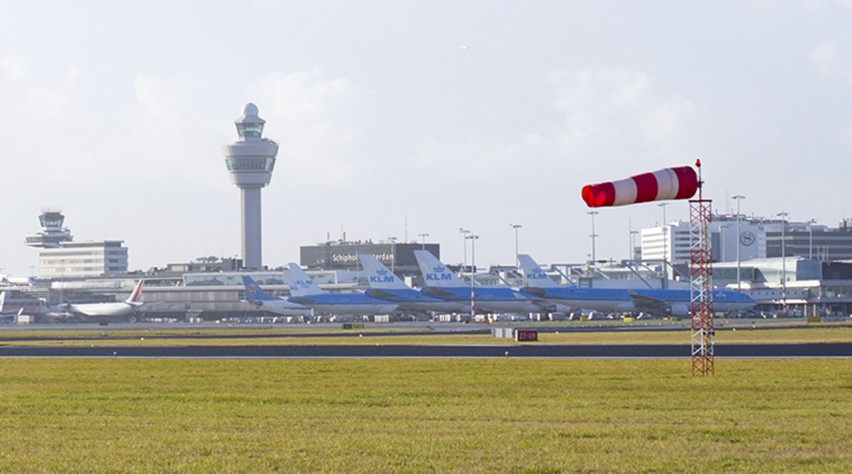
<point x="253" y="291"/>
<point x="534" y="276"/>
<point x="378" y="274"/>
<point x="299" y="282"/>
<point x="436" y="273"/>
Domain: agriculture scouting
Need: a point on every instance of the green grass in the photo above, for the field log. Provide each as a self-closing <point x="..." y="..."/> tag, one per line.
<point x="111" y="338"/>
<point x="413" y="415"/>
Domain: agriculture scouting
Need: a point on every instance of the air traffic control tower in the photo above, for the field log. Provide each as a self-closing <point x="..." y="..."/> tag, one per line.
<point x="250" y="161"/>
<point x="53" y="234"/>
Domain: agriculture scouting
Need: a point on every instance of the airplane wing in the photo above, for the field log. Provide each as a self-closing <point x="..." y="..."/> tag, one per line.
<point x="649" y="304"/>
<point x="545" y="306"/>
<point x="438" y="292"/>
<point x="537" y="292"/>
<point x="302" y="300"/>
<point x="538" y="296"/>
<point x="380" y="294"/>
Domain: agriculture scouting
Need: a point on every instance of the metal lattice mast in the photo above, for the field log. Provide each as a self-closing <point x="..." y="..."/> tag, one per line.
<point x="700" y="272"/>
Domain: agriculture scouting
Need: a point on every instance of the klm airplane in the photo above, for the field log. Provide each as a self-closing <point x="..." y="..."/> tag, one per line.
<point x="441" y="283"/>
<point x="305" y="292"/>
<point x="256" y="296"/>
<point x="534" y="277"/>
<point x="384" y="285"/>
<point x="653" y="301"/>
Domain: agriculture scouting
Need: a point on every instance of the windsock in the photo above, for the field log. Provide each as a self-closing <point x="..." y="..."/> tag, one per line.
<point x="665" y="184"/>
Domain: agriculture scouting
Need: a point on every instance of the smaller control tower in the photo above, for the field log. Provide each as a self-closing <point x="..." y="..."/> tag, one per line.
<point x="52" y="234"/>
<point x="250" y="161"/>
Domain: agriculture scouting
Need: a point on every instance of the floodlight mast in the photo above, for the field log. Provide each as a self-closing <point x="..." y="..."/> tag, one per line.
<point x="700" y="271"/>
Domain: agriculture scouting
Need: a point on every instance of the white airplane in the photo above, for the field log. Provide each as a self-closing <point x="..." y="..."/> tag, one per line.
<point x="102" y="312"/>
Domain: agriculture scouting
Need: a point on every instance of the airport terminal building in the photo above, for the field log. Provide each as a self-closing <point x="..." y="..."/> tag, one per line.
<point x="815" y="275"/>
<point x="343" y="255"/>
<point x="83" y="259"/>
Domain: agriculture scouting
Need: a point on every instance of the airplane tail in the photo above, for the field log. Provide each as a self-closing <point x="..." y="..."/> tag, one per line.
<point x="533" y="274"/>
<point x="378" y="274"/>
<point x="135" y="298"/>
<point x="434" y="272"/>
<point x="299" y="282"/>
<point x="2" y="301"/>
<point x="253" y="291"/>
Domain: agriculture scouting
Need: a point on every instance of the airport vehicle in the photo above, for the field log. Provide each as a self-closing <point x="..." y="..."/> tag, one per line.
<point x="257" y="297"/>
<point x="441" y="283"/>
<point x="659" y="302"/>
<point x="384" y="285"/>
<point x="305" y="292"/>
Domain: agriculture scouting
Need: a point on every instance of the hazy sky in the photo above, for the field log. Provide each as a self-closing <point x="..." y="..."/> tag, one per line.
<point x="441" y="114"/>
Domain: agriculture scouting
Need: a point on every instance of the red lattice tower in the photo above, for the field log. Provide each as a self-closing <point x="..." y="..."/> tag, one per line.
<point x="701" y="272"/>
<point x="675" y="183"/>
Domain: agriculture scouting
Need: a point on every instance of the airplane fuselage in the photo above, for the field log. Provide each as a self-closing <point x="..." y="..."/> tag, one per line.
<point x="416" y="300"/>
<point x="489" y="299"/>
<point x="344" y="303"/>
<point x="103" y="310"/>
<point x="283" y="307"/>
<point x="676" y="302"/>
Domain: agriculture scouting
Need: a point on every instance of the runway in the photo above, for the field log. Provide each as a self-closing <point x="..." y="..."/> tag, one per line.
<point x="842" y="350"/>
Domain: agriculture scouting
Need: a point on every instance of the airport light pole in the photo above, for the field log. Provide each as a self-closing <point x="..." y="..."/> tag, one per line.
<point x="783" y="216"/>
<point x="516" y="227"/>
<point x="811" y="239"/>
<point x="665" y="230"/>
<point x="392" y="241"/>
<point x="593" y="235"/>
<point x="472" y="238"/>
<point x="633" y="244"/>
<point x="464" y="233"/>
<point x="723" y="250"/>
<point x="423" y="240"/>
<point x="738" y="197"/>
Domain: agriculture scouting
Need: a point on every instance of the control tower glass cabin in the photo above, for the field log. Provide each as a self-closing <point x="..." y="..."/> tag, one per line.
<point x="53" y="234"/>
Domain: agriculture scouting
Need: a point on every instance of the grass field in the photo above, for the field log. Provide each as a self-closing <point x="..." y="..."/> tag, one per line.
<point x="274" y="336"/>
<point x="413" y="415"/>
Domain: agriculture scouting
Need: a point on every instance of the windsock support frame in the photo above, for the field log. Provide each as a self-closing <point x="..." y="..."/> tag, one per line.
<point x="701" y="297"/>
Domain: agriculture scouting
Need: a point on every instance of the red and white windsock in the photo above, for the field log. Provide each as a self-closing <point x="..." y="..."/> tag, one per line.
<point x="662" y="185"/>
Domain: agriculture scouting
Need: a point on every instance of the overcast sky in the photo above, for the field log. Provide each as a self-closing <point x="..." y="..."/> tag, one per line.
<point x="417" y="117"/>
